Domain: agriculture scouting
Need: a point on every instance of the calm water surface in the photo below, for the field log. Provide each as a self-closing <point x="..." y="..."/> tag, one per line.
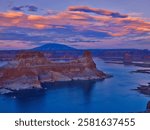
<point x="110" y="95"/>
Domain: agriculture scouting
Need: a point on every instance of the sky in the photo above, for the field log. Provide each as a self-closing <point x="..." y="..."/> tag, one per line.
<point x="26" y="24"/>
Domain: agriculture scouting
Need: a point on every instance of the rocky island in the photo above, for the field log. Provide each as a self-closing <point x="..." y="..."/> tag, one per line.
<point x="29" y="69"/>
<point x="146" y="71"/>
<point x="144" y="89"/>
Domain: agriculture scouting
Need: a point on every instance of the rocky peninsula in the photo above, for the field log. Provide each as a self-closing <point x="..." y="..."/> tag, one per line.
<point x="29" y="69"/>
<point x="146" y="71"/>
<point x="144" y="89"/>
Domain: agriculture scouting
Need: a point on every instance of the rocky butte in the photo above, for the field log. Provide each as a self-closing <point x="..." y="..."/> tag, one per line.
<point x="29" y="69"/>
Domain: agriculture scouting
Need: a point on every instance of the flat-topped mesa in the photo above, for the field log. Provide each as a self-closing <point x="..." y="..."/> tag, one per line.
<point x="30" y="69"/>
<point x="29" y="55"/>
<point x="32" y="58"/>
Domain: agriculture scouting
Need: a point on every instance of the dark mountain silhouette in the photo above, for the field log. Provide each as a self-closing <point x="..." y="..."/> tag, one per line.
<point x="53" y="47"/>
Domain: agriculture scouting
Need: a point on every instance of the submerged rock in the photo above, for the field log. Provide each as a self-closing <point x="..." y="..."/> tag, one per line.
<point x="30" y="69"/>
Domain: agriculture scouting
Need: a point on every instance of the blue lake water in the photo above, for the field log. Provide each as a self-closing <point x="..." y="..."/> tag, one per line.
<point x="110" y="95"/>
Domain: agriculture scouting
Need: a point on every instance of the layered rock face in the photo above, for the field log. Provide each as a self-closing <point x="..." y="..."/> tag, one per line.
<point x="30" y="69"/>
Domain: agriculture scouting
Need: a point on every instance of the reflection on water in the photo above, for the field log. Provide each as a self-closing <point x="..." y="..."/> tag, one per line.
<point x="110" y="95"/>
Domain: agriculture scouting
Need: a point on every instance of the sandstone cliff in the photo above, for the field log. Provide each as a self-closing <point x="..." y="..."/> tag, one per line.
<point x="30" y="69"/>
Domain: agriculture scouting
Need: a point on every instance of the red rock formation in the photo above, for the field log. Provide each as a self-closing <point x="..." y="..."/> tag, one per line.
<point x="30" y="69"/>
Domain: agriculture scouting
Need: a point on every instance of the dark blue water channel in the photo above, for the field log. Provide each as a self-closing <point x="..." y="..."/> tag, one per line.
<point x="110" y="95"/>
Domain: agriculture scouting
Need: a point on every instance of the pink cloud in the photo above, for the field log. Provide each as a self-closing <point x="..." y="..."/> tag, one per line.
<point x="82" y="19"/>
<point x="15" y="44"/>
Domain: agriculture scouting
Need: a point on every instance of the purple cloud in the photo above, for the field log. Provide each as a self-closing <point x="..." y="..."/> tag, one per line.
<point x="31" y="8"/>
<point x="19" y="8"/>
<point x="97" y="11"/>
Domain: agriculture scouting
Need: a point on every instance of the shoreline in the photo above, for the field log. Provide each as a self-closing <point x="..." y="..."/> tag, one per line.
<point x="8" y="90"/>
<point x="144" y="65"/>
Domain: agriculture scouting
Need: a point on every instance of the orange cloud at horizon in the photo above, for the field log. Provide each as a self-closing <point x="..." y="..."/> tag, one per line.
<point x="15" y="44"/>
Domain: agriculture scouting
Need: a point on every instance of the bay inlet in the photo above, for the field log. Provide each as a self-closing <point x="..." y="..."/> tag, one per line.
<point x="110" y="95"/>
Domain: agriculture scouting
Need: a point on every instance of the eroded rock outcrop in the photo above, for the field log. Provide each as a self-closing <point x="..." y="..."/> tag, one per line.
<point x="144" y="89"/>
<point x="30" y="69"/>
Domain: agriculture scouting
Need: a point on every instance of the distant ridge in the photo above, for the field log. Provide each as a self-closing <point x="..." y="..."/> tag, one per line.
<point x="53" y="47"/>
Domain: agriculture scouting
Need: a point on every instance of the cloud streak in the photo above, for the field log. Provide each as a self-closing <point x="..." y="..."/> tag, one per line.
<point x="97" y="11"/>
